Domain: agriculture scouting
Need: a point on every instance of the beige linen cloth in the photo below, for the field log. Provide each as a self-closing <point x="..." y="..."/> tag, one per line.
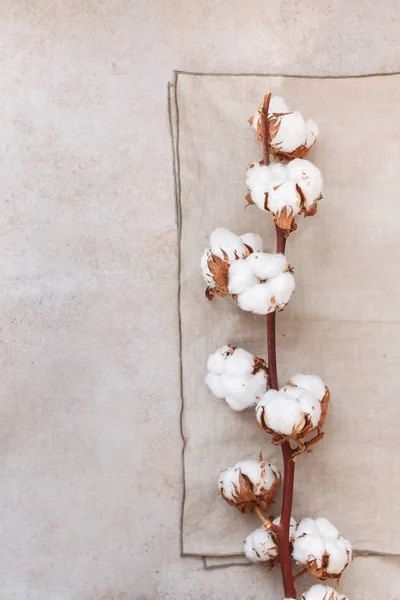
<point x="342" y="322"/>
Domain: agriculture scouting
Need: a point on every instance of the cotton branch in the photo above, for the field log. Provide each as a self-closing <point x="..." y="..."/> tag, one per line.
<point x="263" y="283"/>
<point x="288" y="478"/>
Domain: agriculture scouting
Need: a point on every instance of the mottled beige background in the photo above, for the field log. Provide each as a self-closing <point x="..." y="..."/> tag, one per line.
<point x="90" y="480"/>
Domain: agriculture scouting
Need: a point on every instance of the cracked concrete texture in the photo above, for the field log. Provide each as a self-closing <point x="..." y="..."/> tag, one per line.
<point x="90" y="442"/>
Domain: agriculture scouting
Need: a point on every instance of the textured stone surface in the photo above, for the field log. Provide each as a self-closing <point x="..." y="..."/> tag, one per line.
<point x="90" y="442"/>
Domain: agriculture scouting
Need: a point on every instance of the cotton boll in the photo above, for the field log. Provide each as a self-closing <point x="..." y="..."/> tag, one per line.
<point x="282" y="414"/>
<point x="260" y="546"/>
<point x="310" y="537"/>
<point x="325" y="528"/>
<point x="337" y="556"/>
<point x="312" y="383"/>
<point x="265" y="265"/>
<point x="284" y="194"/>
<point x="312" y="132"/>
<point x="249" y="484"/>
<point x="308" y="548"/>
<point x="241" y="277"/>
<point x="308" y="177"/>
<point x="277" y="105"/>
<point x="291" y="132"/>
<point x="239" y="363"/>
<point x="253" y="240"/>
<point x="281" y="288"/>
<point x="216" y="361"/>
<point x="224" y="240"/>
<point x="216" y="385"/>
<point x="231" y="376"/>
<point x="256" y="299"/>
<point x="272" y="180"/>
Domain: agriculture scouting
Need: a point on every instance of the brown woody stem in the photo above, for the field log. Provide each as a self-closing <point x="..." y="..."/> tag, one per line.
<point x="288" y="463"/>
<point x="264" y="124"/>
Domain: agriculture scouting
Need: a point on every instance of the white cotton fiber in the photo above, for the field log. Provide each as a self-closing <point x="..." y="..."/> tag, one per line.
<point x="260" y="546"/>
<point x="312" y="383"/>
<point x="222" y="240"/>
<point x="230" y="376"/>
<point x="240" y="276"/>
<point x="291" y="133"/>
<point x="308" y="177"/>
<point x="265" y="265"/>
<point x="216" y="361"/>
<point x="257" y="299"/>
<point x="281" y="288"/>
<point x="253" y="240"/>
